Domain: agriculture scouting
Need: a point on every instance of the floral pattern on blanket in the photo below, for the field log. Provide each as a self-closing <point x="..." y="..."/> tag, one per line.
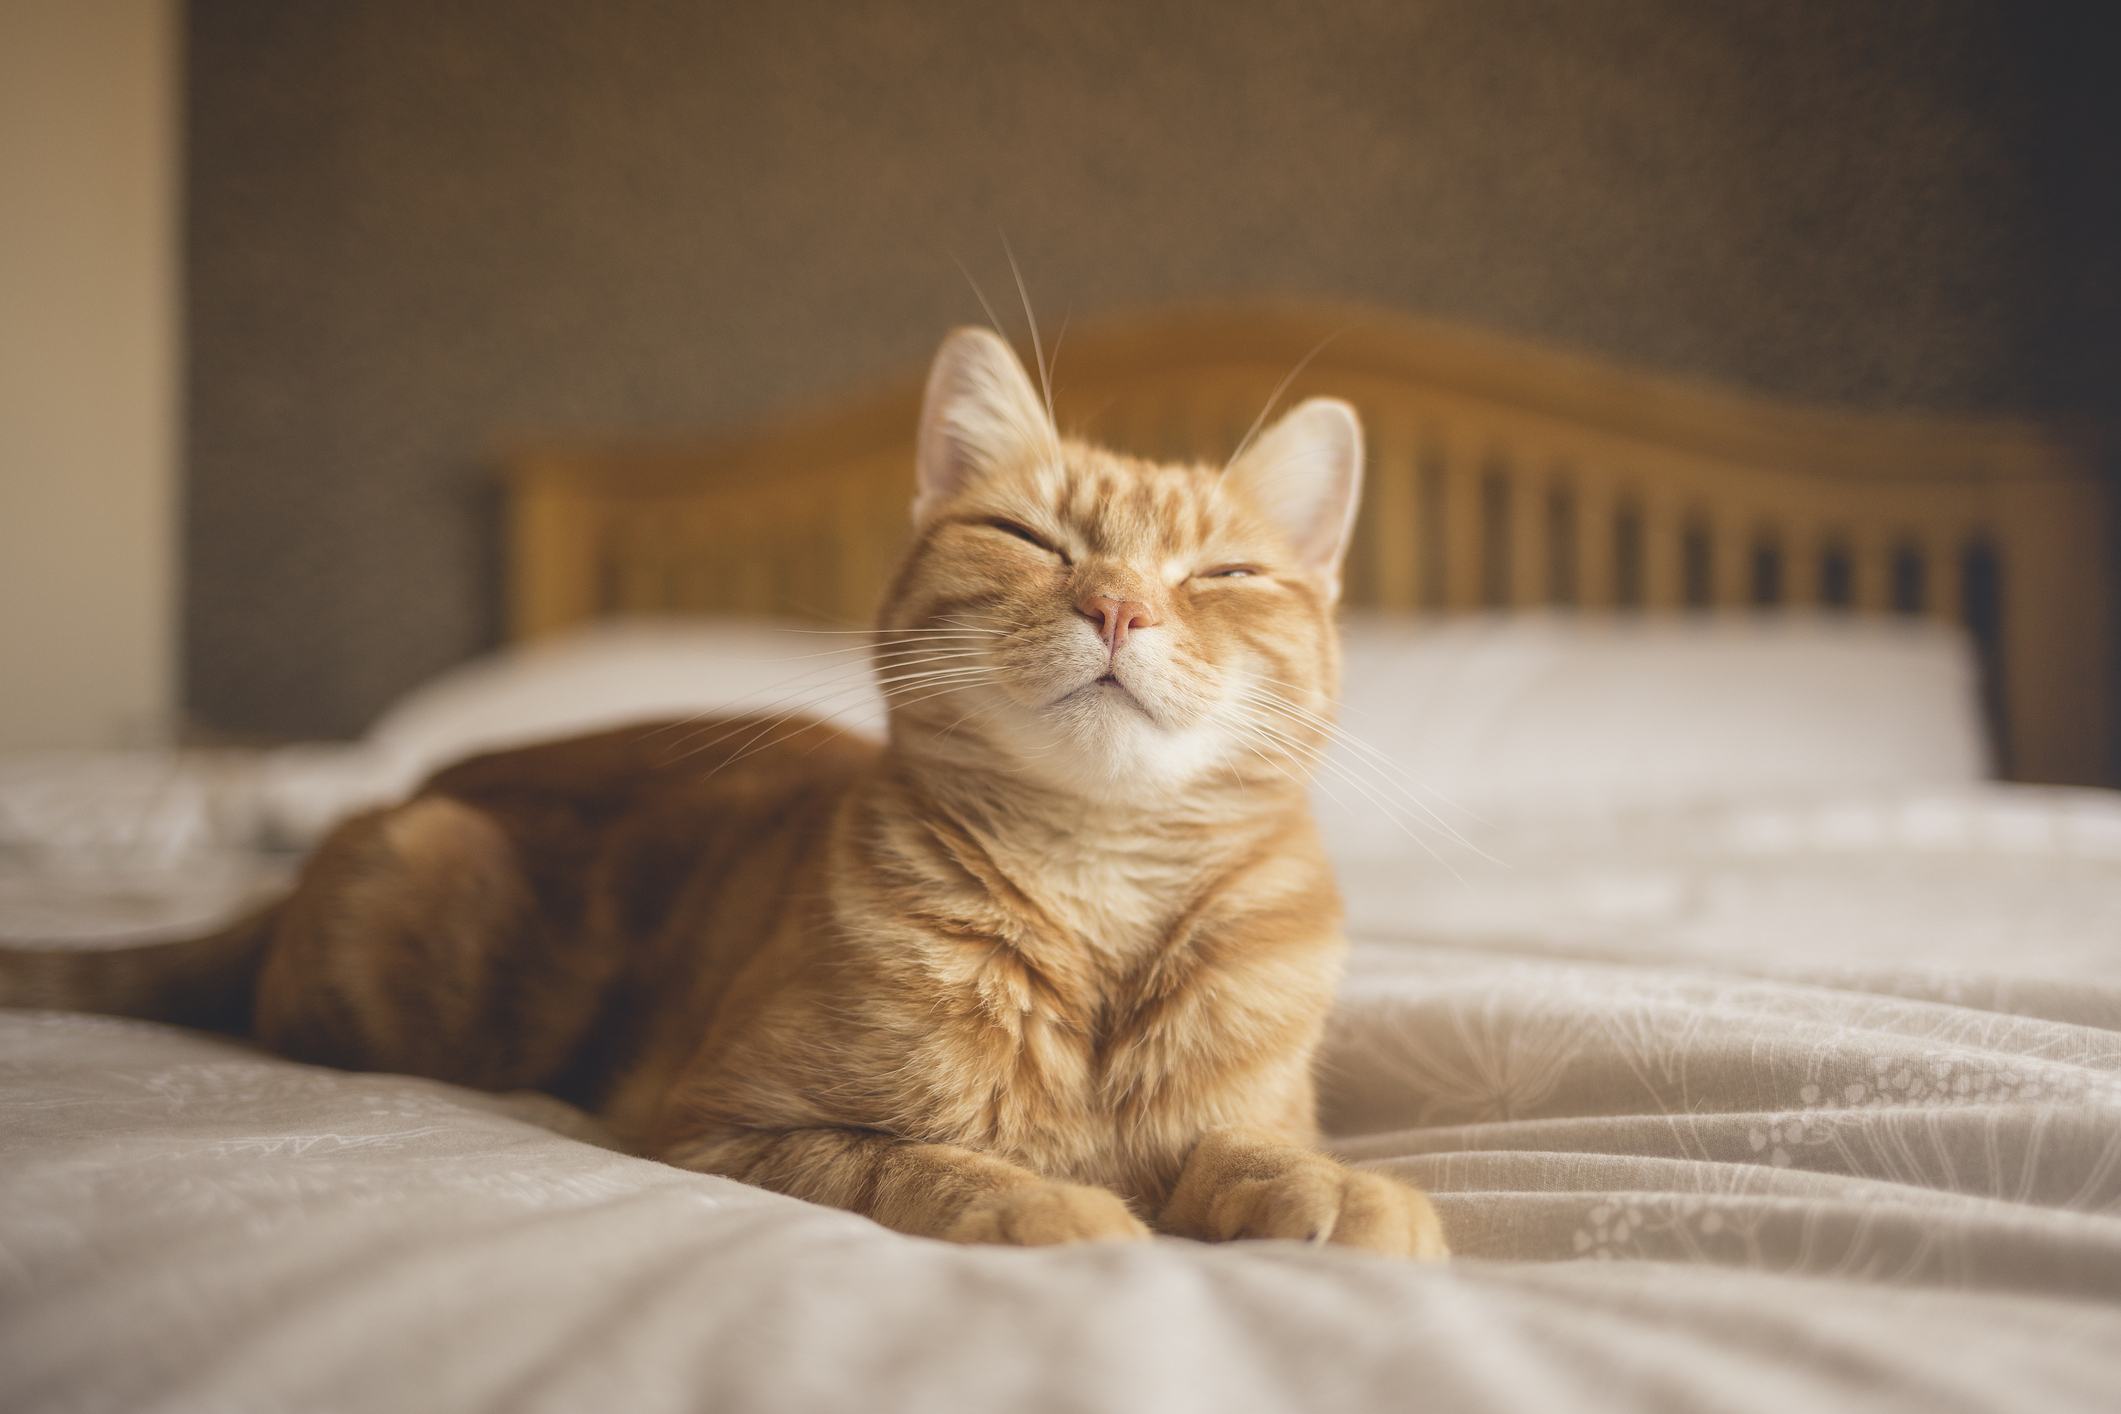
<point x="187" y="1224"/>
<point x="1876" y="1159"/>
<point x="1571" y="1109"/>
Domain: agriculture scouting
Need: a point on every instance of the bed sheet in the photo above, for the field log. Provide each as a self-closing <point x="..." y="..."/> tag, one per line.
<point x="1789" y="1104"/>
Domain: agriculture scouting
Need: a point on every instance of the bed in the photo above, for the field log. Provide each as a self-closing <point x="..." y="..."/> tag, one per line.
<point x="1760" y="1046"/>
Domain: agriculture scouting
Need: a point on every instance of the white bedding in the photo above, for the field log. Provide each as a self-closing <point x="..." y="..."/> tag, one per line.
<point x="1801" y="1096"/>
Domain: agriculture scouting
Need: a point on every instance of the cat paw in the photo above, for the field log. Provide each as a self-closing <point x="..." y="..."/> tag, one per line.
<point x="1237" y="1184"/>
<point x="1042" y="1214"/>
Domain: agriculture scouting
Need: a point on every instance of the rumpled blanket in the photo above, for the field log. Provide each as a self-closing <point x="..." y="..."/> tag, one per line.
<point x="1799" y="1105"/>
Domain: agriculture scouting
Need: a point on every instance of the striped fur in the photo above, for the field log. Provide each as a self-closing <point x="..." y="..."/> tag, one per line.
<point x="1049" y="965"/>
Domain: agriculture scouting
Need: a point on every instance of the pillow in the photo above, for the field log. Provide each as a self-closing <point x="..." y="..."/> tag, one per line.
<point x="1496" y="717"/>
<point x="606" y="675"/>
<point x="631" y="670"/>
<point x="1543" y="713"/>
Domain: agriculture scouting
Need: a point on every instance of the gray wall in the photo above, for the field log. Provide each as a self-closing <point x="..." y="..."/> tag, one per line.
<point x="416" y="227"/>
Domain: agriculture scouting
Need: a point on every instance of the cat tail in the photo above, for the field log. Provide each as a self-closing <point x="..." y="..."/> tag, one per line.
<point x="208" y="981"/>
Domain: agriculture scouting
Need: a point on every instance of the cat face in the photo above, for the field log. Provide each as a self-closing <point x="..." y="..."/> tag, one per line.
<point x="1115" y="627"/>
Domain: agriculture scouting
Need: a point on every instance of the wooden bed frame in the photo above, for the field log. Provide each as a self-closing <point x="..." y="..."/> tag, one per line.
<point x="1500" y="476"/>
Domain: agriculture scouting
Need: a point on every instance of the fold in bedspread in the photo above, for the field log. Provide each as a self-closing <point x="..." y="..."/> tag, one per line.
<point x="1671" y="1186"/>
<point x="1577" y="1109"/>
<point x="1786" y="1105"/>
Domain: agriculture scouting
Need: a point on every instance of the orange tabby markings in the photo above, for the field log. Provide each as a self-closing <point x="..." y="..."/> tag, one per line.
<point x="1050" y="966"/>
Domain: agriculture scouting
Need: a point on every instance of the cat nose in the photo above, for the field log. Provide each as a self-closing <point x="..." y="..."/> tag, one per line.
<point x="1116" y="618"/>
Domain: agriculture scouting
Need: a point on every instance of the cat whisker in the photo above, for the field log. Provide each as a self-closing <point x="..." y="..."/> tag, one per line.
<point x="995" y="321"/>
<point x="911" y="672"/>
<point x="928" y="692"/>
<point x="935" y="652"/>
<point x="1323" y="782"/>
<point x="937" y="635"/>
<point x="891" y="680"/>
<point x="980" y="712"/>
<point x="709" y="715"/>
<point x="814" y="701"/>
<point x="757" y="741"/>
<point x="809" y="700"/>
<point x="1323" y="767"/>
<point x="1374" y="757"/>
<point x="1267" y="716"/>
<point x="1275" y="396"/>
<point x="761" y="740"/>
<point x="935" y="645"/>
<point x="1296" y="717"/>
<point x="977" y="293"/>
<point x="944" y="691"/>
<point x="896" y="666"/>
<point x="963" y="622"/>
<point x="788" y="688"/>
<point x="818" y="701"/>
<point x="898" y="694"/>
<point x="1397" y="801"/>
<point x="1053" y="369"/>
<point x="1287" y="774"/>
<point x="1354" y="740"/>
<point x="824" y="653"/>
<point x="1045" y="380"/>
<point x="870" y="632"/>
<point x="909" y="704"/>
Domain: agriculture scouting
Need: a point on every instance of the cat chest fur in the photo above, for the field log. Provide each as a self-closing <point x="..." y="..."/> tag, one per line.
<point x="1089" y="1019"/>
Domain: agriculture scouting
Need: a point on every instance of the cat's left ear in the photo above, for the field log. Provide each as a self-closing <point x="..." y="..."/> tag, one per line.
<point x="1305" y="472"/>
<point x="980" y="413"/>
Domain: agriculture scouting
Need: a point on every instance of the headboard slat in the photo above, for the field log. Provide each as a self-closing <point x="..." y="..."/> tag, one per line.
<point x="1500" y="475"/>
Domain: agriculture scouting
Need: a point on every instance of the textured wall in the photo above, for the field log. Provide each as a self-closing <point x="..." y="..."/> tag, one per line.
<point x="417" y="226"/>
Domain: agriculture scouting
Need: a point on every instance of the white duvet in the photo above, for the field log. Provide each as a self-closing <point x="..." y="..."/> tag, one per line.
<point x="1797" y="1098"/>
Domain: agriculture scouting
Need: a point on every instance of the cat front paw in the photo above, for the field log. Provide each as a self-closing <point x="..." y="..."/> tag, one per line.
<point x="1043" y="1214"/>
<point x="1238" y="1184"/>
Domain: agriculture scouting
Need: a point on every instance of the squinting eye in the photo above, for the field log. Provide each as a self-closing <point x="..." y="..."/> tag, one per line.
<point x="1229" y="572"/>
<point x="1010" y="527"/>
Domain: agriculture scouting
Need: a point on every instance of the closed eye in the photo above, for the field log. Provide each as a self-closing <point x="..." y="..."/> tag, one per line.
<point x="1028" y="536"/>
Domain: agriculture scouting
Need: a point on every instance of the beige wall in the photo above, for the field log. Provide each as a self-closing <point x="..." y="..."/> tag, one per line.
<point x="88" y="370"/>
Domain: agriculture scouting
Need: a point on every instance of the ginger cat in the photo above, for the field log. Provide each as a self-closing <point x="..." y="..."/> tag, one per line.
<point x="1049" y="966"/>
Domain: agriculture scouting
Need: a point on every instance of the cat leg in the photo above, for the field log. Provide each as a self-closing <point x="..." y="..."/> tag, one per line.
<point x="1245" y="1183"/>
<point x="928" y="1190"/>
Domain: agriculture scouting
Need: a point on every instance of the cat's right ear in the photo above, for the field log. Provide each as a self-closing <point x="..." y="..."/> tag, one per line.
<point x="981" y="412"/>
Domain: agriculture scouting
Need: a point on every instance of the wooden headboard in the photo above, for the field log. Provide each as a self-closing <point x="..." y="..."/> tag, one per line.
<point x="1500" y="476"/>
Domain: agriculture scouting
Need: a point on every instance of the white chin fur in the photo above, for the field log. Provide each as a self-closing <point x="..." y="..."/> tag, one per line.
<point x="1138" y="744"/>
<point x="1099" y="744"/>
